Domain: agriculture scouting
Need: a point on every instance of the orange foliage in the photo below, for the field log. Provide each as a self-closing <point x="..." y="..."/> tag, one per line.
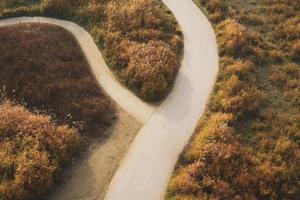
<point x="236" y="39"/>
<point x="216" y="163"/>
<point x="31" y="149"/>
<point x="152" y="67"/>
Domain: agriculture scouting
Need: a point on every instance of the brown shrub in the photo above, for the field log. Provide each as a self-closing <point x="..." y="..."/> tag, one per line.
<point x="296" y="50"/>
<point x="238" y="97"/>
<point x="116" y="49"/>
<point x="143" y="24"/>
<point x="234" y="92"/>
<point x="132" y="15"/>
<point x="147" y="68"/>
<point x="33" y="176"/>
<point x="215" y="129"/>
<point x="235" y="39"/>
<point x="288" y="29"/>
<point x="216" y="17"/>
<point x="217" y="166"/>
<point x="242" y="68"/>
<point x="275" y="56"/>
<point x="31" y="149"/>
<point x="154" y="73"/>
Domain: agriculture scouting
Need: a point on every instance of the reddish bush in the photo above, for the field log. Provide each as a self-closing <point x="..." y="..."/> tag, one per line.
<point x="134" y="29"/>
<point x="152" y="68"/>
<point x="236" y="39"/>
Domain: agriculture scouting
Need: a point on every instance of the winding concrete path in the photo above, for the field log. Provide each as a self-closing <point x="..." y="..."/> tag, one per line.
<point x="147" y="167"/>
<point x="145" y="171"/>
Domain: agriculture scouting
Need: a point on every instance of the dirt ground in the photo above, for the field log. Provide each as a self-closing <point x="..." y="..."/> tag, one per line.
<point x="89" y="177"/>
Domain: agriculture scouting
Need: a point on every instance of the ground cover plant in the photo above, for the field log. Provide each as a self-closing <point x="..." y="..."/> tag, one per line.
<point x="246" y="146"/>
<point x="126" y="31"/>
<point x="49" y="104"/>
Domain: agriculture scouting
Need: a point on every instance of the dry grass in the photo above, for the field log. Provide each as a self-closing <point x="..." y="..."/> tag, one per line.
<point x="114" y="25"/>
<point x="153" y="74"/>
<point x="247" y="144"/>
<point x="43" y="68"/>
<point x="134" y="29"/>
<point x="48" y="74"/>
<point x="236" y="39"/>
<point x="32" y="149"/>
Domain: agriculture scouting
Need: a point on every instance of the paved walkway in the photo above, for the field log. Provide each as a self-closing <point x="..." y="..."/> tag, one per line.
<point x="147" y="167"/>
<point x="145" y="171"/>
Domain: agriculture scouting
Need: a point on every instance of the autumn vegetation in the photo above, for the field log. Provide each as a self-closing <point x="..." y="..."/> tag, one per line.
<point x="246" y="146"/>
<point x="126" y="31"/>
<point x="50" y="107"/>
<point x="145" y="44"/>
<point x="32" y="150"/>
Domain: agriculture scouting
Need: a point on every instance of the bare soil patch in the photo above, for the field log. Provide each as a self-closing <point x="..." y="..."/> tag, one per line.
<point x="89" y="177"/>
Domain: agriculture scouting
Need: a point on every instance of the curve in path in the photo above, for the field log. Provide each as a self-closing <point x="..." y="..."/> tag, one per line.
<point x="119" y="93"/>
<point x="147" y="167"/>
